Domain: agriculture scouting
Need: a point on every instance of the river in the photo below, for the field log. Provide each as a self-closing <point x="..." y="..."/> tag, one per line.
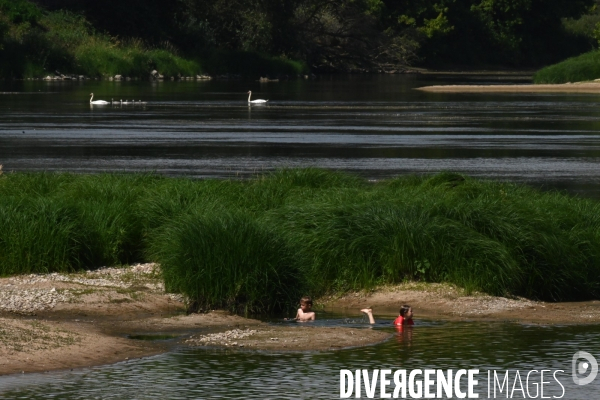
<point x="374" y="125"/>
<point x="377" y="126"/>
<point x="210" y="373"/>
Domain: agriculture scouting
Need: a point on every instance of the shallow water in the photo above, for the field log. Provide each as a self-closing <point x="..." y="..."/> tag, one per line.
<point x="377" y="126"/>
<point x="226" y="373"/>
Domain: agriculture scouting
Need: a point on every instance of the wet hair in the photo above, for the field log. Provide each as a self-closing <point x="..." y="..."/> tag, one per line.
<point x="404" y="309"/>
<point x="306" y="300"/>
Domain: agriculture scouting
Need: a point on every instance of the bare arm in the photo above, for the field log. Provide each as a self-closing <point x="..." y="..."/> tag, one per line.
<point x="369" y="313"/>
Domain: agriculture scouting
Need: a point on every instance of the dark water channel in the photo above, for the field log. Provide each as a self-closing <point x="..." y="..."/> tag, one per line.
<point x="206" y="373"/>
<point x="377" y="126"/>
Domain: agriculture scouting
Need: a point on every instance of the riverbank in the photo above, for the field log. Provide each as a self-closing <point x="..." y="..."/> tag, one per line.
<point x="62" y="321"/>
<point x="578" y="87"/>
<point x="448" y="302"/>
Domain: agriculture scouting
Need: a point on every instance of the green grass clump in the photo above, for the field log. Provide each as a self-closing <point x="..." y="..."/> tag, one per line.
<point x="101" y="58"/>
<point x="171" y="65"/>
<point x="38" y="236"/>
<point x="63" y="222"/>
<point x="585" y="67"/>
<point x="256" y="245"/>
<point x="220" y="259"/>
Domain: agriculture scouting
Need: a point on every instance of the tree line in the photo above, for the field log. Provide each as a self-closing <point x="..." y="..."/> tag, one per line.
<point x="340" y="35"/>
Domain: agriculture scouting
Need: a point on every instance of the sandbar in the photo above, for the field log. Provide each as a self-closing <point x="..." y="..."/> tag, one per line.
<point x="66" y="321"/>
<point x="579" y="87"/>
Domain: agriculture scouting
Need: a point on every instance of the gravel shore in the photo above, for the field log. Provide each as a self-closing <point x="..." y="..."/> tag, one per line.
<point x="58" y="321"/>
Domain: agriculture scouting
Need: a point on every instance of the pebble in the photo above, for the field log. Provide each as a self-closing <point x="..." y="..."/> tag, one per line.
<point x="222" y="339"/>
<point x="13" y="298"/>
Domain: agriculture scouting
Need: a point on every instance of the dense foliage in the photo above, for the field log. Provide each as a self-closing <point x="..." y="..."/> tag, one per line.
<point x="258" y="245"/>
<point x="351" y="33"/>
<point x="34" y="43"/>
<point x="334" y="35"/>
<point x="585" y="67"/>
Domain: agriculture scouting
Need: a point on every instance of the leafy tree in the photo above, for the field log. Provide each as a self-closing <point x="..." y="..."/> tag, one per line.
<point x="3" y="30"/>
<point x="250" y="25"/>
<point x="505" y="32"/>
<point x="20" y="11"/>
<point x="521" y="27"/>
<point x="153" y="20"/>
<point x="587" y="27"/>
<point x="347" y="34"/>
<point x="342" y="34"/>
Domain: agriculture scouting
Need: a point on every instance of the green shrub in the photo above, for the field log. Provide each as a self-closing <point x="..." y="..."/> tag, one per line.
<point x="171" y="65"/>
<point x="585" y="67"/>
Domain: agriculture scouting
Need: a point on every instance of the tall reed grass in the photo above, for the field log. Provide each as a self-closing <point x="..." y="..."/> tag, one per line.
<point x="256" y="245"/>
<point x="223" y="259"/>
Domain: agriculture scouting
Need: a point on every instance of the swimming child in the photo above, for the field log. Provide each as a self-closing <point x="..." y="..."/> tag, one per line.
<point x="304" y="313"/>
<point x="405" y="317"/>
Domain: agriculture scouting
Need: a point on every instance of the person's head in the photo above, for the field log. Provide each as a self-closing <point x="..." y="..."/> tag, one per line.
<point x="306" y="303"/>
<point x="406" y="311"/>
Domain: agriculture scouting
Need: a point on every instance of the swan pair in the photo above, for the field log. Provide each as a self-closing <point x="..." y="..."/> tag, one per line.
<point x="257" y="101"/>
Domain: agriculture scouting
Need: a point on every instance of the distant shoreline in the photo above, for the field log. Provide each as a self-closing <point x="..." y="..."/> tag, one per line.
<point x="582" y="87"/>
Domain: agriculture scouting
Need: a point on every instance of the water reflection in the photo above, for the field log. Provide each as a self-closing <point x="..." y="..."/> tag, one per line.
<point x="226" y="373"/>
<point x="404" y="335"/>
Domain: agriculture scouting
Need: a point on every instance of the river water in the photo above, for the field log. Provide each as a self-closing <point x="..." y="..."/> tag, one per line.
<point x="377" y="126"/>
<point x="206" y="373"/>
<point x="374" y="125"/>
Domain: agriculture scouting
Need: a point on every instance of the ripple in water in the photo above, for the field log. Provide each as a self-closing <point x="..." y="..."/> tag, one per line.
<point x="206" y="373"/>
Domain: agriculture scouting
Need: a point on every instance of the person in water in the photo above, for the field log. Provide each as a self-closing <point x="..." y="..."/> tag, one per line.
<point x="304" y="313"/>
<point x="405" y="317"/>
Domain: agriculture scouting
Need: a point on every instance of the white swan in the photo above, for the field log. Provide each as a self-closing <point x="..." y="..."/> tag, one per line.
<point x="97" y="101"/>
<point x="257" y="101"/>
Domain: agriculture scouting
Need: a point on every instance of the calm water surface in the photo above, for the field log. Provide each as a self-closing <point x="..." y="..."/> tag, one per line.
<point x="238" y="374"/>
<point x="377" y="126"/>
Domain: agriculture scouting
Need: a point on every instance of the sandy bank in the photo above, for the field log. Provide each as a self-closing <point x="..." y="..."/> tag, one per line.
<point x="50" y="322"/>
<point x="580" y="87"/>
<point x="444" y="301"/>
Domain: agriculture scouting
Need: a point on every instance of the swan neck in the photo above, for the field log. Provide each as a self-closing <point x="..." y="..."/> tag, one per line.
<point x="249" y="94"/>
